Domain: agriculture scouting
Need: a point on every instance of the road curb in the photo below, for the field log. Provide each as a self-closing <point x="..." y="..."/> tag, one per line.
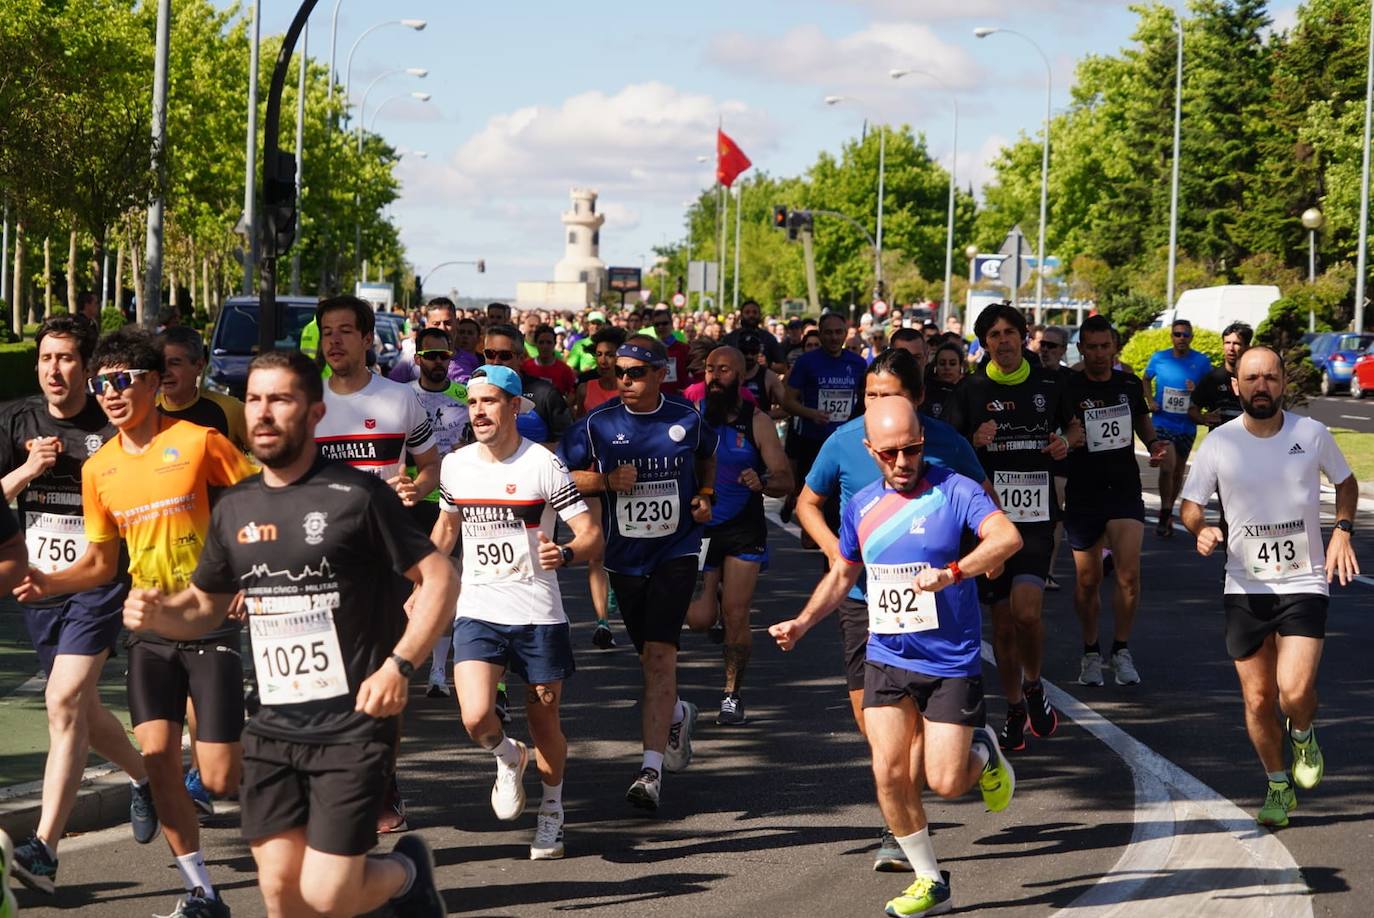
<point x="102" y="801"/>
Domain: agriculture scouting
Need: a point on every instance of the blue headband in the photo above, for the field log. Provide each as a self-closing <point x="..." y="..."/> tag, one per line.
<point x="635" y="352"/>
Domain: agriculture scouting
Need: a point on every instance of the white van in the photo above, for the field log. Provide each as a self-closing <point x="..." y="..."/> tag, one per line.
<point x="1217" y="307"/>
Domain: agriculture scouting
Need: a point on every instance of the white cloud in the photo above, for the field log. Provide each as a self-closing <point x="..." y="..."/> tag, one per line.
<point x="974" y="167"/>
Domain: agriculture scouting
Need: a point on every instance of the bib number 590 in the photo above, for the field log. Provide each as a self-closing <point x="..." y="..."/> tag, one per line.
<point x="490" y="554"/>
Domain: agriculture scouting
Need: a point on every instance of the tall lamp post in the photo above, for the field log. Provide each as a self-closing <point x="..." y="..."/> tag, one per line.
<point x="953" y="156"/>
<point x="984" y="32"/>
<point x="1173" y="184"/>
<point x="971" y="253"/>
<point x="1362" y="259"/>
<point x="1313" y="219"/>
<point x="357" y="198"/>
<point x="418" y="72"/>
<point x="882" y="169"/>
<point x="416" y="24"/>
<point x="250" y="191"/>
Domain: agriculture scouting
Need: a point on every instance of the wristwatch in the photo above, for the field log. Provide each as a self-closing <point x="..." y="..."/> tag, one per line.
<point x="406" y="668"/>
<point x="1346" y="526"/>
<point x="567" y="554"/>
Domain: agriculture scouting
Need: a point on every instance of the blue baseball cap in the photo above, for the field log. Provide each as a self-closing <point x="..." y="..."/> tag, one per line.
<point x="503" y="378"/>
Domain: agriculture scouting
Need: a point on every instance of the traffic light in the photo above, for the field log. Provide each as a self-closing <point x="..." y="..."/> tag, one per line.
<point x="779" y="216"/>
<point x="797" y="221"/>
<point x="481" y="266"/>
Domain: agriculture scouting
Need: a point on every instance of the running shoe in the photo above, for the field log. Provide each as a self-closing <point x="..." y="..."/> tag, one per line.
<point x="1308" y="764"/>
<point x="438" y="688"/>
<point x="890" y="857"/>
<point x="1013" y="735"/>
<point x="1044" y="720"/>
<point x="392" y="819"/>
<point x="199" y="795"/>
<point x="678" y="755"/>
<point x="423" y="899"/>
<point x="731" y="711"/>
<point x="644" y="792"/>
<point x="502" y="703"/>
<point x="602" y="638"/>
<point x="1051" y="584"/>
<point x="142" y="813"/>
<point x="196" y="904"/>
<point x="508" y="792"/>
<point x="1124" y="665"/>
<point x="8" y="907"/>
<point x="548" y="837"/>
<point x="1090" y="669"/>
<point x="33" y="866"/>
<point x="924" y="897"/>
<point x="998" y="780"/>
<point x="1279" y="801"/>
<point x="716" y="633"/>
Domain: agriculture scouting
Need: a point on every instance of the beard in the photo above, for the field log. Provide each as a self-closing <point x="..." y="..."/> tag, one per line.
<point x="435" y="375"/>
<point x="288" y="448"/>
<point x="721" y="402"/>
<point x="1261" y="412"/>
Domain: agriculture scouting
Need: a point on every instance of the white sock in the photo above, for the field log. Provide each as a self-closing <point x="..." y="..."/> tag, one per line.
<point x="408" y="866"/>
<point x="679" y="712"/>
<point x="653" y="760"/>
<point x="1301" y="736"/>
<point x="193" y="873"/>
<point x="507" y="752"/>
<point x="980" y="750"/>
<point x="920" y="853"/>
<point x="438" y="669"/>
<point x="553" y="798"/>
<point x="143" y="783"/>
<point x="1278" y="777"/>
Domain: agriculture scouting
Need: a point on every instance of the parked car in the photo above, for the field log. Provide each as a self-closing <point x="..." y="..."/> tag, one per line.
<point x="234" y="340"/>
<point x="1334" y="355"/>
<point x="390" y="331"/>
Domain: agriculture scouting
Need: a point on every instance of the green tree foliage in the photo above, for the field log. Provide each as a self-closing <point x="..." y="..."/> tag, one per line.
<point x="1143" y="344"/>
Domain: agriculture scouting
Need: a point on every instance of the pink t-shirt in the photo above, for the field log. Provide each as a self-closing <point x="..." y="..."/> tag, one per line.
<point x="697" y="391"/>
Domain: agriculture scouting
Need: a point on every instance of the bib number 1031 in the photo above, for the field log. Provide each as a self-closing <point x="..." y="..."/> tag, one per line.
<point x="1025" y="496"/>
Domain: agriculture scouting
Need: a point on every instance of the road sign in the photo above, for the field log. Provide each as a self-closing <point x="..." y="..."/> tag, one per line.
<point x="679" y="300"/>
<point x="625" y="280"/>
<point x="702" y="276"/>
<point x="879" y="309"/>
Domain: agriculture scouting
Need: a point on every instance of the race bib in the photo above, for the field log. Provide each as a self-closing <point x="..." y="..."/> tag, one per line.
<point x="671" y="375"/>
<point x="1176" y="401"/>
<point x="296" y="657"/>
<point x="496" y="551"/>
<point x="1025" y="496"/>
<point x="1276" y="551"/>
<point x="895" y="606"/>
<point x="835" y="402"/>
<point x="649" y="511"/>
<point x="1107" y="428"/>
<point x="54" y="541"/>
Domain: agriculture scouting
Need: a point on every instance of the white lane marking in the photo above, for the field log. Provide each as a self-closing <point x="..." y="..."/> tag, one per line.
<point x="36" y="684"/>
<point x="1356" y="417"/>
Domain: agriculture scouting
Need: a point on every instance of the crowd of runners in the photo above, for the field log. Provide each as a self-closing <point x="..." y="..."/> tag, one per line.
<point x="344" y="531"/>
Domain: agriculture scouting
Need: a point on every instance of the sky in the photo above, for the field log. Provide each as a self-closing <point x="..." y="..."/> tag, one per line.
<point x="530" y="98"/>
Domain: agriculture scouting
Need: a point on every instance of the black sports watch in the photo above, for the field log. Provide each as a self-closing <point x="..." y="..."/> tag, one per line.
<point x="567" y="554"/>
<point x="406" y="667"/>
<point x="1346" y="526"/>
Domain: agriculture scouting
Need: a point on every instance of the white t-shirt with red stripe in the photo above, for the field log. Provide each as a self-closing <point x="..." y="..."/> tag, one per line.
<point x="374" y="428"/>
<point x="504" y="507"/>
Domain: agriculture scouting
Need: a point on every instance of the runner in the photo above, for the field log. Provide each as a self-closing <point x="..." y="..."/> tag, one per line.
<point x="546" y="364"/>
<point x="645" y="454"/>
<point x="1267" y="471"/>
<point x="310" y="543"/>
<point x="446" y="405"/>
<point x="751" y="322"/>
<point x="749" y="464"/>
<point x="44" y="440"/>
<point x="1103" y="504"/>
<point x="373" y="424"/>
<point x="1012" y="411"/>
<point x="581" y="356"/>
<point x="183" y="356"/>
<point x="923" y="682"/>
<point x="148" y="489"/>
<point x="947" y="372"/>
<point x="842" y="469"/>
<point x="14" y="555"/>
<point x="1214" y="400"/>
<point x="500" y="496"/>
<point x="505" y="347"/>
<point x="467" y="337"/>
<point x="1177" y="372"/>
<point x="763" y="383"/>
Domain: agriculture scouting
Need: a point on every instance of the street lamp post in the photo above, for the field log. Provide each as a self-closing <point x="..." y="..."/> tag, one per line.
<point x="953" y="158"/>
<point x="417" y="72"/>
<point x="984" y="32"/>
<point x="971" y="252"/>
<point x="416" y="24"/>
<point x="1173" y="186"/>
<point x="1313" y="219"/>
<point x="150" y="297"/>
<point x="357" y="197"/>
<point x="1362" y="259"/>
<point x="882" y="168"/>
<point x="250" y="195"/>
<point x="300" y="151"/>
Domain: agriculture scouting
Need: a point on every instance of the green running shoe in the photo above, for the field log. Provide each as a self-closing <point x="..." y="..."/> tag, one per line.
<point x="1308" y="764"/>
<point x="1279" y="801"/>
<point x="998" y="780"/>
<point x="924" y="897"/>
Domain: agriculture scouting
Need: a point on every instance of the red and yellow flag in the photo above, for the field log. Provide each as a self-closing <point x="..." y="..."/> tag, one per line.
<point x="730" y="159"/>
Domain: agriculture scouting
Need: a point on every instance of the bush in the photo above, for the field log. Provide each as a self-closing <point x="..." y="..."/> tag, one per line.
<point x="1282" y="330"/>
<point x="1136" y="354"/>
<point x="17" y="375"/>
<point x="1130" y="312"/>
<point x="111" y="319"/>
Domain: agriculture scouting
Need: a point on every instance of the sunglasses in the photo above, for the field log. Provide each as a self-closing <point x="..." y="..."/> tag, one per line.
<point x="118" y="381"/>
<point x="910" y="450"/>
<point x="498" y="355"/>
<point x="434" y="355"/>
<point x="632" y="372"/>
<point x="1183" y="334"/>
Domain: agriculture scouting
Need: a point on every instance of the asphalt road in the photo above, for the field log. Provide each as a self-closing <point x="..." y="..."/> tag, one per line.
<point x="1341" y="411"/>
<point x="778" y="817"/>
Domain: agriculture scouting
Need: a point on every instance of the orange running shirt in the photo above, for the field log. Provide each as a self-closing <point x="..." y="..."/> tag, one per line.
<point x="158" y="501"/>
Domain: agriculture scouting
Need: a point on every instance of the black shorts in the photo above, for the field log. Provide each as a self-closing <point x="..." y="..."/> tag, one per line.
<point x="942" y="699"/>
<point x="162" y="676"/>
<point x="1252" y="617"/>
<point x="1183" y="442"/>
<point x="654" y="606"/>
<point x="1029" y="565"/>
<point x="83" y="624"/>
<point x="335" y="791"/>
<point x="744" y="537"/>
<point x="854" y="639"/>
<point x="1084" y="528"/>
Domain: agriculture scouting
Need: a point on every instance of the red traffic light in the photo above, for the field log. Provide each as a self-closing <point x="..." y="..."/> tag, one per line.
<point x="779" y="216"/>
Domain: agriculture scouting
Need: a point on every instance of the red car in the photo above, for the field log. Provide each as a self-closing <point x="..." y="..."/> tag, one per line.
<point x="1362" y="376"/>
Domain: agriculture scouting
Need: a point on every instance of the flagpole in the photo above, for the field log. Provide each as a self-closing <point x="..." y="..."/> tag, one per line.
<point x="739" y="209"/>
<point x="723" y="206"/>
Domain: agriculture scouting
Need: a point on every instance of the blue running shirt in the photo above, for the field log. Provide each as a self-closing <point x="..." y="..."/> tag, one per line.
<point x="653" y="523"/>
<point x="1174" y="379"/>
<point x="893" y="535"/>
<point x="832" y="384"/>
<point x="737" y="451"/>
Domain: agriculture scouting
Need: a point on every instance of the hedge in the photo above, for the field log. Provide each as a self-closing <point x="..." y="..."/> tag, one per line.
<point x="17" y="375"/>
<point x="1136" y="353"/>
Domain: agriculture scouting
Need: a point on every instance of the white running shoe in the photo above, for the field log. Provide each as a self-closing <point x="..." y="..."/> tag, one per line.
<point x="1124" y="665"/>
<point x="438" y="688"/>
<point x="1090" y="669"/>
<point x="678" y="755"/>
<point x="508" y="793"/>
<point x="548" y="837"/>
<point x="645" y="791"/>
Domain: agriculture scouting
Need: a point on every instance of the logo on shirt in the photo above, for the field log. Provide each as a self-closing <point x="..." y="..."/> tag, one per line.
<point x="252" y="533"/>
<point x="1297" y="451"/>
<point x="510" y="489"/>
<point x="314" y="524"/>
<point x="93" y="443"/>
<point x="171" y="454"/>
<point x="997" y="406"/>
<point x="1039" y="402"/>
<point x="918" y="526"/>
<point x="620" y="438"/>
<point x="677" y="432"/>
<point x="370" y="423"/>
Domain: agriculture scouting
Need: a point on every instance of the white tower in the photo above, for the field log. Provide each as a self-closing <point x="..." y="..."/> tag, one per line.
<point x="582" y="226"/>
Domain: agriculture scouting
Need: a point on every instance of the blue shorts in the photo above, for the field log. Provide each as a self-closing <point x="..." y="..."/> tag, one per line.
<point x="538" y="654"/>
<point x="83" y="624"/>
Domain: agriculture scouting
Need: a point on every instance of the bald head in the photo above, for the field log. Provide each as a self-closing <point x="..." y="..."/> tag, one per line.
<point x="891" y="430"/>
<point x="1260" y="383"/>
<point x="726" y="353"/>
<point x="1259" y="359"/>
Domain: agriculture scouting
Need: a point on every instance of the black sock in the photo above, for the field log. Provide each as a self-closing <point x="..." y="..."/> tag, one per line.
<point x="1118" y="645"/>
<point x="1092" y="648"/>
